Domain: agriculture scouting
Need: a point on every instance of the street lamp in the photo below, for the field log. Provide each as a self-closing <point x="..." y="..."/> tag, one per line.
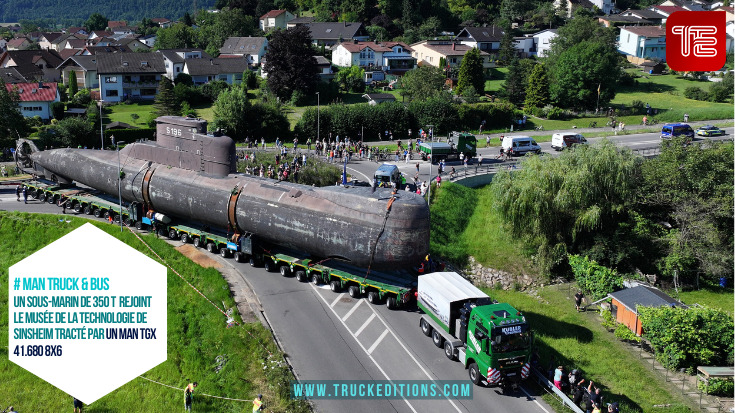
<point x="317" y="115"/>
<point x="119" y="178"/>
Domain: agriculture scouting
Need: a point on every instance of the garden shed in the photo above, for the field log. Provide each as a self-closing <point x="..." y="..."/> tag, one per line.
<point x="624" y="305"/>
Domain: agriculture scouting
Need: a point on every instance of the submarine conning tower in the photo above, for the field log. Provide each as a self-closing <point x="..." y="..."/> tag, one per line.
<point x="183" y="143"/>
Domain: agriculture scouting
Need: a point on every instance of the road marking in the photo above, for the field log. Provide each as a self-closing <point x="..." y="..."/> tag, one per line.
<point x="534" y="399"/>
<point x="365" y="324"/>
<point x="367" y="178"/>
<point x="336" y="300"/>
<point x="375" y="344"/>
<point x="352" y="310"/>
<point x="370" y="356"/>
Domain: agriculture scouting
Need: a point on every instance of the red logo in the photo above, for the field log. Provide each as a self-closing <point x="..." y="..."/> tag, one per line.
<point x="695" y="41"/>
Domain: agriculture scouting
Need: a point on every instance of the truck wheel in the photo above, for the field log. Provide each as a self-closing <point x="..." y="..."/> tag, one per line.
<point x="224" y="253"/>
<point x="117" y="218"/>
<point x="315" y="279"/>
<point x="475" y="374"/>
<point x="391" y="303"/>
<point x="238" y="256"/>
<point x="88" y="210"/>
<point x="185" y="238"/>
<point x="42" y="197"/>
<point x="77" y="207"/>
<point x="172" y="234"/>
<point x="211" y="247"/>
<point x="354" y="291"/>
<point x="437" y="339"/>
<point x="268" y="265"/>
<point x="373" y="297"/>
<point x="301" y="275"/>
<point x="285" y="270"/>
<point x="449" y="350"/>
<point x="128" y="222"/>
<point x="334" y="286"/>
<point x="162" y="232"/>
<point x="197" y="242"/>
<point x="425" y="328"/>
<point x="253" y="262"/>
<point x="97" y="213"/>
<point x="138" y="225"/>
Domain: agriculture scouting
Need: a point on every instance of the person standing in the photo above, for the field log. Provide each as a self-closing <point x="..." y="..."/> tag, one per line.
<point x="258" y="404"/>
<point x="557" y="377"/>
<point x="188" y="394"/>
<point x="479" y="159"/>
<point x="578" y="299"/>
<point x="438" y="181"/>
<point x="686" y="117"/>
<point x="77" y="405"/>
<point x="18" y="190"/>
<point x="25" y="195"/>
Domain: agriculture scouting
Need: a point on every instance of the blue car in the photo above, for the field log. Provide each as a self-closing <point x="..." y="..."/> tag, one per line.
<point x="672" y="130"/>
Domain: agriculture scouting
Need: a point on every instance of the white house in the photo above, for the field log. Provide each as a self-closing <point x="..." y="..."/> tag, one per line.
<point x="542" y="41"/>
<point x="275" y="19"/>
<point x="525" y="46"/>
<point x="643" y="42"/>
<point x="129" y="75"/>
<point x="252" y="48"/>
<point x="85" y="69"/>
<point x="35" y="98"/>
<point x="487" y="39"/>
<point x="225" y="69"/>
<point x="387" y="56"/>
<point x="174" y="60"/>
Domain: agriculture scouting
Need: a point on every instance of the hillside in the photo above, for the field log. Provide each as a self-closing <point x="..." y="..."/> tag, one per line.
<point x="79" y="10"/>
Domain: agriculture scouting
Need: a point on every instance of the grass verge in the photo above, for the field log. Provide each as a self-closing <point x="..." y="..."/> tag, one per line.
<point x="714" y="297"/>
<point x="197" y="336"/>
<point x="452" y="205"/>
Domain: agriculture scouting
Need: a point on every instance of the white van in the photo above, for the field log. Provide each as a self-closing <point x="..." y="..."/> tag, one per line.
<point x="520" y="145"/>
<point x="560" y="141"/>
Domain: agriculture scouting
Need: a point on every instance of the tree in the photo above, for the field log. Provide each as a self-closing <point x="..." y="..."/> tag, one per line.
<point x="73" y="87"/>
<point x="96" y="21"/>
<point x="581" y="71"/>
<point x="187" y="20"/>
<point x="177" y="36"/>
<point x="516" y="81"/>
<point x="291" y="65"/>
<point x="471" y="73"/>
<point x="57" y="110"/>
<point x="230" y="112"/>
<point x="537" y="91"/>
<point x="351" y="79"/>
<point x="12" y="123"/>
<point x="74" y="132"/>
<point x="184" y="79"/>
<point x="215" y="28"/>
<point x="166" y="103"/>
<point x="422" y="83"/>
<point x="507" y="49"/>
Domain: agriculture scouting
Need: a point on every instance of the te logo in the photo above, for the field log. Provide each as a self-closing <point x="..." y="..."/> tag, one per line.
<point x="695" y="41"/>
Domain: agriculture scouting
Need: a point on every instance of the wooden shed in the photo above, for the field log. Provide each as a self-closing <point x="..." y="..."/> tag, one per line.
<point x="624" y="305"/>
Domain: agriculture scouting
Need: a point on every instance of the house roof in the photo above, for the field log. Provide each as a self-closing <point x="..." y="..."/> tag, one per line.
<point x="272" y="13"/>
<point x="51" y="36"/>
<point x="11" y="75"/>
<point x="643" y="295"/>
<point x="75" y="29"/>
<point x="617" y="18"/>
<point x="31" y="92"/>
<point x="483" y="34"/>
<point x="16" y="42"/>
<point x="85" y="62"/>
<point x="113" y="63"/>
<point x="379" y="96"/>
<point x="647" y="31"/>
<point x="116" y="23"/>
<point x="322" y="61"/>
<point x="646" y="14"/>
<point x="173" y="54"/>
<point x="26" y="57"/>
<point x="335" y="31"/>
<point x="101" y="33"/>
<point x="356" y="47"/>
<point x="106" y="49"/>
<point x="544" y="31"/>
<point x="242" y="45"/>
<point x="160" y="20"/>
<point x="451" y="49"/>
<point x="669" y="9"/>
<point x="66" y="53"/>
<point x="729" y="9"/>
<point x="76" y="43"/>
<point x="199" y="67"/>
<point x="301" y="20"/>
<point x="119" y="125"/>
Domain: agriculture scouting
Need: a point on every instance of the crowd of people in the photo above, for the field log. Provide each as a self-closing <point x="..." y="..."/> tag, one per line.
<point x="585" y="395"/>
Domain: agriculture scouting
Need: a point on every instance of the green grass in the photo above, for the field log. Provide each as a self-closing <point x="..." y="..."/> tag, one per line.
<point x="121" y="113"/>
<point x="197" y="334"/>
<point x="577" y="340"/>
<point x="714" y="297"/>
<point x="451" y="207"/>
<point x="494" y="84"/>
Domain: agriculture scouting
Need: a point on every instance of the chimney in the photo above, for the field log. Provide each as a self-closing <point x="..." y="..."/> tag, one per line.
<point x="211" y="62"/>
<point x="454" y="46"/>
<point x="345" y="23"/>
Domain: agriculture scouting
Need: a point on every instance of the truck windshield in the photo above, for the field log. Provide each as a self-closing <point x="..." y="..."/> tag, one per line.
<point x="505" y="343"/>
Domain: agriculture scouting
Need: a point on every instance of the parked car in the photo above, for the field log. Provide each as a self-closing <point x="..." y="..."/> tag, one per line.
<point x="520" y="145"/>
<point x="559" y="141"/>
<point x="709" y="130"/>
<point x="673" y="130"/>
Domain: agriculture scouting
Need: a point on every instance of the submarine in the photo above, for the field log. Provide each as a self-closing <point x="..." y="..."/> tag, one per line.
<point x="189" y="174"/>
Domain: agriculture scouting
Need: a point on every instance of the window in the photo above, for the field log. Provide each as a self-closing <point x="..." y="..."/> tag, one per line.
<point x="453" y="60"/>
<point x="111" y="93"/>
<point x="32" y="108"/>
<point x="223" y="77"/>
<point x="111" y="79"/>
<point x="178" y="69"/>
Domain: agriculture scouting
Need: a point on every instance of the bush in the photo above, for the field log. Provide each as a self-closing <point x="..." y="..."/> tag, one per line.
<point x="637" y="107"/>
<point x="83" y="98"/>
<point x="212" y="89"/>
<point x="184" y="79"/>
<point x="607" y="320"/>
<point x="130" y="135"/>
<point x="623" y="332"/>
<point x="555" y="113"/>
<point x="57" y="110"/>
<point x="687" y="338"/>
<point x="695" y="93"/>
<point x="717" y="387"/>
<point x="496" y="115"/>
<point x="595" y="280"/>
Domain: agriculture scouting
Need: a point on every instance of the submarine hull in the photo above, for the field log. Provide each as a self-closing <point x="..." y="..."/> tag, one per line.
<point x="347" y="223"/>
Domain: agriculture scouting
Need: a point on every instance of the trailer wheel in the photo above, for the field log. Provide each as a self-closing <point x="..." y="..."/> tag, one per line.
<point x="77" y="207"/>
<point x="162" y="232"/>
<point x="285" y="270"/>
<point x="185" y="238"/>
<point x="117" y="218"/>
<point x="224" y="253"/>
<point x="391" y="303"/>
<point x="449" y="350"/>
<point x="238" y="256"/>
<point x="315" y="279"/>
<point x="107" y="215"/>
<point x="268" y="265"/>
<point x="301" y="275"/>
<point x="425" y="328"/>
<point x="197" y="242"/>
<point x="41" y="197"/>
<point x="211" y="247"/>
<point x="129" y="222"/>
<point x="51" y="199"/>
<point x="253" y="262"/>
<point x="475" y="374"/>
<point x="138" y="225"/>
<point x="437" y="339"/>
<point x="97" y="213"/>
<point x="354" y="291"/>
<point x="334" y="286"/>
<point x="373" y="297"/>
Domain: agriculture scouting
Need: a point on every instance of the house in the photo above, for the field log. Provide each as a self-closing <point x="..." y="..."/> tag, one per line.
<point x="385" y="56"/>
<point x="376" y="98"/>
<point x="253" y="48"/>
<point x="651" y="15"/>
<point x="123" y="31"/>
<point x="149" y="40"/>
<point x="19" y="43"/>
<point x="112" y="24"/>
<point x="67" y="53"/>
<point x="606" y="6"/>
<point x="688" y="5"/>
<point x="98" y="34"/>
<point x="59" y="43"/>
<point x="46" y="40"/>
<point x="730" y="35"/>
<point x="132" y="44"/>
<point x="76" y="30"/>
<point x="129" y="75"/>
<point x="3" y="44"/>
<point x="11" y="75"/>
<point x="487" y="39"/>
<point x="666" y="11"/>
<point x="642" y="42"/>
<point x="174" y="59"/>
<point x="572" y="5"/>
<point x="85" y="69"/>
<point x="73" y="43"/>
<point x="228" y="70"/>
<point x="325" y="68"/>
<point x="119" y="125"/>
<point x="329" y="34"/>
<point x="433" y="52"/>
<point x="275" y="19"/>
<point x="35" y="98"/>
<point x="616" y="20"/>
<point x="299" y="21"/>
<point x="625" y="303"/>
<point x="653" y="68"/>
<point x="94" y="50"/>
<point x="525" y="46"/>
<point x="542" y="41"/>
<point x="35" y="65"/>
<point x="162" y="22"/>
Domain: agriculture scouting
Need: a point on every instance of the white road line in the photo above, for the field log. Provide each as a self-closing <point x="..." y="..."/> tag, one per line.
<point x="367" y="178"/>
<point x="375" y="344"/>
<point x="534" y="399"/>
<point x="410" y="406"/>
<point x="365" y="324"/>
<point x="336" y="300"/>
<point x="352" y="310"/>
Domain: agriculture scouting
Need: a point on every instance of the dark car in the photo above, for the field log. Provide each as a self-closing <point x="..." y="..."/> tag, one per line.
<point x="709" y="130"/>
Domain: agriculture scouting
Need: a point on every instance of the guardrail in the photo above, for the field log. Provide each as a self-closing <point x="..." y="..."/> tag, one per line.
<point x="563" y="398"/>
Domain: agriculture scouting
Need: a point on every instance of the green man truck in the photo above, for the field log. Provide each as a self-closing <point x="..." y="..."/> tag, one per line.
<point x="458" y="143"/>
<point x="491" y="339"/>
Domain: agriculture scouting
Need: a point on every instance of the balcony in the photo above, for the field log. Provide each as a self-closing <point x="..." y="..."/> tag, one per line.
<point x="137" y="84"/>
